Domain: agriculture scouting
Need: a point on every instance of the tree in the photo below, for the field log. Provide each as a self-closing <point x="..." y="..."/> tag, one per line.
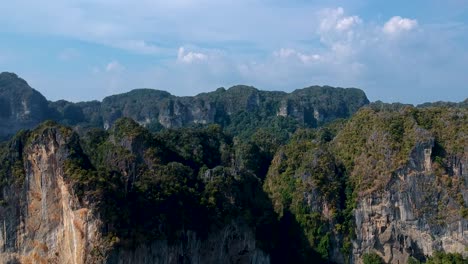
<point x="372" y="258"/>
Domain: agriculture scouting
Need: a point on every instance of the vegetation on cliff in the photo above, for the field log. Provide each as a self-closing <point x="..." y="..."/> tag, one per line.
<point x="320" y="175"/>
<point x="293" y="175"/>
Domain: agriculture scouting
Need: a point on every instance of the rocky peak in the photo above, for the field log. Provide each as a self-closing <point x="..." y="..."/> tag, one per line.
<point x="20" y="105"/>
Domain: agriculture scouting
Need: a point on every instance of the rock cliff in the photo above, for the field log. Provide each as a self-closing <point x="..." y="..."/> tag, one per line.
<point x="43" y="221"/>
<point x="391" y="183"/>
<point x="416" y="213"/>
<point x="48" y="216"/>
<point x="411" y="182"/>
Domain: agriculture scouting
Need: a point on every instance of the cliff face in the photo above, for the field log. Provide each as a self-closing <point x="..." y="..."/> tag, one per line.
<point x="410" y="177"/>
<point x="42" y="220"/>
<point x="309" y="106"/>
<point x="415" y="214"/>
<point x="391" y="183"/>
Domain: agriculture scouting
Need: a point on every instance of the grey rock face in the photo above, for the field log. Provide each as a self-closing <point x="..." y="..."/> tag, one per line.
<point x="414" y="215"/>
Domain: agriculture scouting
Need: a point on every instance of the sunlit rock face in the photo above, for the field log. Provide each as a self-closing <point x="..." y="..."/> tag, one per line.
<point x="42" y="220"/>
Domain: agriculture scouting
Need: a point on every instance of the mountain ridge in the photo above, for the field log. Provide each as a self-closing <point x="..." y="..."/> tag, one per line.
<point x="310" y="106"/>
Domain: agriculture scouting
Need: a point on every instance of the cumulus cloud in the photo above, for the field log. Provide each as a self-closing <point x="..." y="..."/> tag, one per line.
<point x="190" y="57"/>
<point x="339" y="33"/>
<point x="347" y="22"/>
<point x="335" y="20"/>
<point x="397" y="25"/>
<point x="329" y="18"/>
<point x="341" y="36"/>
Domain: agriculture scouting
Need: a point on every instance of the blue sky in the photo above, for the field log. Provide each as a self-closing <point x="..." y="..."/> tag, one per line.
<point x="406" y="51"/>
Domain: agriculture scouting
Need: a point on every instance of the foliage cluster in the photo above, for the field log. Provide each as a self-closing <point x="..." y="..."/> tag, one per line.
<point x="375" y="142"/>
<point x="441" y="258"/>
<point x="158" y="186"/>
<point x="372" y="258"/>
<point x="305" y="179"/>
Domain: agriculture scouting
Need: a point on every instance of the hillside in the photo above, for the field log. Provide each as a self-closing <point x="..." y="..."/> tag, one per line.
<point x="240" y="109"/>
<point x="234" y="176"/>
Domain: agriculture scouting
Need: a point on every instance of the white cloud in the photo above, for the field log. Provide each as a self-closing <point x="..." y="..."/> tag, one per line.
<point x="190" y="57"/>
<point x="285" y="53"/>
<point x="347" y="23"/>
<point x="114" y="66"/>
<point x="339" y="34"/>
<point x="329" y="18"/>
<point x="335" y="20"/>
<point x="397" y="25"/>
<point x="341" y="50"/>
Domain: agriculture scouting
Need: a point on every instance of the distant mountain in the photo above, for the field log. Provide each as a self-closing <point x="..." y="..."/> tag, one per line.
<point x="20" y="105"/>
<point x="240" y="109"/>
<point x="445" y="104"/>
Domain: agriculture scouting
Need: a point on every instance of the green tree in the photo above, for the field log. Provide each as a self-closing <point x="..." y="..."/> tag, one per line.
<point x="372" y="258"/>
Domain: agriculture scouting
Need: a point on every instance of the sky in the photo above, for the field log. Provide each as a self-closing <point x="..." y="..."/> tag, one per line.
<point x="396" y="51"/>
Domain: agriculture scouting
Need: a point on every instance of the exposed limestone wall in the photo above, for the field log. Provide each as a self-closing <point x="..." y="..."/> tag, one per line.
<point x="415" y="214"/>
<point x="45" y="220"/>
